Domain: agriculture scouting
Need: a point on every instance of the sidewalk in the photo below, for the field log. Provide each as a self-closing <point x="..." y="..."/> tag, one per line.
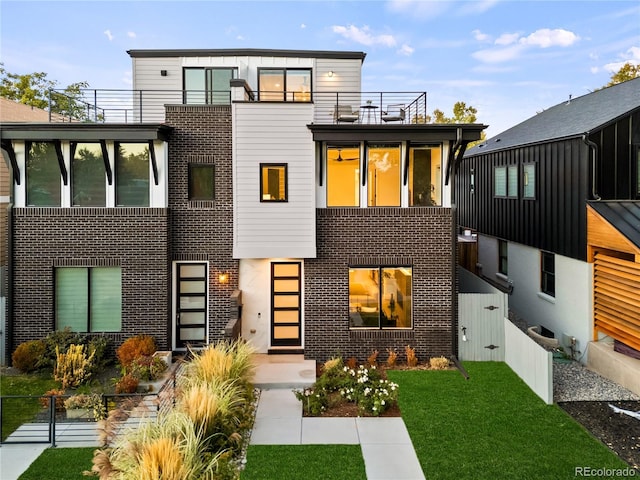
<point x="386" y="446"/>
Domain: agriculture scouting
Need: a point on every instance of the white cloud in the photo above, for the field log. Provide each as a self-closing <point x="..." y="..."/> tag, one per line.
<point x="364" y="36"/>
<point x="507" y="38"/>
<point x="632" y="55"/>
<point x="498" y="55"/>
<point x="418" y="8"/>
<point x="546" y="38"/>
<point x="475" y="7"/>
<point x="239" y="37"/>
<point x="406" y="50"/>
<point x="108" y="34"/>
<point x="512" y="45"/>
<point x="302" y="25"/>
<point x="481" y="37"/>
<point x="131" y="34"/>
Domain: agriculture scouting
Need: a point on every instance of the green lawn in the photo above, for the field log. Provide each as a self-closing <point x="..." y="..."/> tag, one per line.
<point x="61" y="464"/>
<point x="492" y="426"/>
<point x="304" y="462"/>
<point x="15" y="412"/>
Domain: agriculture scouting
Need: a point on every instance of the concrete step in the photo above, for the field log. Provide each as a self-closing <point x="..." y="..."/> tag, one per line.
<point x="283" y="371"/>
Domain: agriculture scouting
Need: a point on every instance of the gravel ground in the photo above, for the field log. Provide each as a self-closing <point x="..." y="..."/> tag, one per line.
<point x="588" y="397"/>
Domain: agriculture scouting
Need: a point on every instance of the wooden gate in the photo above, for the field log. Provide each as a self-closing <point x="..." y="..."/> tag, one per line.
<point x="481" y="321"/>
<point x="617" y="299"/>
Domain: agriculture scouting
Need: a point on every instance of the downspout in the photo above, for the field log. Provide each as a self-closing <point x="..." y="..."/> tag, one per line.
<point x="454" y="244"/>
<point x="9" y="343"/>
<point x="594" y="152"/>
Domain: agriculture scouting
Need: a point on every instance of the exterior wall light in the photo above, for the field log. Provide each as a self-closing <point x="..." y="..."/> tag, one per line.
<point x="223" y="278"/>
<point x="330" y="73"/>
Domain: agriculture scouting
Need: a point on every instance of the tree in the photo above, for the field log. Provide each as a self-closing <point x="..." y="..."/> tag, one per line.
<point x="36" y="90"/>
<point x="628" y="71"/>
<point x="461" y="114"/>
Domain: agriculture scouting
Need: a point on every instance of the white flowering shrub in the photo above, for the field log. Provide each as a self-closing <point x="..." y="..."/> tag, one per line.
<point x="363" y="386"/>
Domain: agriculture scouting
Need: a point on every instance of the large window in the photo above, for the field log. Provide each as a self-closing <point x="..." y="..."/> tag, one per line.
<point x="343" y="176"/>
<point x="208" y="85"/>
<point x="505" y="181"/>
<point x="284" y="84"/>
<point x="201" y="181"/>
<point x="132" y="175"/>
<point x="425" y="176"/>
<point x="548" y="274"/>
<point x="273" y="182"/>
<point x="88" y="175"/>
<point x="43" y="175"/>
<point x="383" y="176"/>
<point x="88" y="299"/>
<point x="380" y="297"/>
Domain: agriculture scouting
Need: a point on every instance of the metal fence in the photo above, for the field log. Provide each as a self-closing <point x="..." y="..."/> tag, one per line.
<point x="43" y="419"/>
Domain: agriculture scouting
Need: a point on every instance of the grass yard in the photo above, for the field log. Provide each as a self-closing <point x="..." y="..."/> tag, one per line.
<point x="15" y="412"/>
<point x="304" y="462"/>
<point x="492" y="426"/>
<point x="61" y="464"/>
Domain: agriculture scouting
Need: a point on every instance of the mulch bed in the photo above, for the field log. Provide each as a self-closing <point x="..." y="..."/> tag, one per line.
<point x="620" y="432"/>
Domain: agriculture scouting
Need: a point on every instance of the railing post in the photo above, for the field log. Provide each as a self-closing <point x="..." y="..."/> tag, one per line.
<point x="95" y="105"/>
<point x="141" y="106"/>
<point x="52" y="420"/>
<point x="49" y="105"/>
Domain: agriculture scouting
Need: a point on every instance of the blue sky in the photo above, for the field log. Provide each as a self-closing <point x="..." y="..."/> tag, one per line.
<point x="508" y="59"/>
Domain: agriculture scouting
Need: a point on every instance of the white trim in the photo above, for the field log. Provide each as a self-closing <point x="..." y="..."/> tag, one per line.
<point x="546" y="298"/>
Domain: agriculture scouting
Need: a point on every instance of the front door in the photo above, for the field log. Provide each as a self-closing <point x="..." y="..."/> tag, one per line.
<point x="191" y="304"/>
<point x="286" y="316"/>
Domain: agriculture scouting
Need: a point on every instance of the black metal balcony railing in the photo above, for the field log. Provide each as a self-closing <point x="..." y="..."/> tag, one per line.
<point x="148" y="106"/>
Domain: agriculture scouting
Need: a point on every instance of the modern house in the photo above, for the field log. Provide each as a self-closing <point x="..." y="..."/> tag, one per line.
<point x="249" y="192"/>
<point x="555" y="204"/>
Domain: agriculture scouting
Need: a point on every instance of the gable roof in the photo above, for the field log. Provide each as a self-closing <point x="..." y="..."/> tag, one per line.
<point x="569" y="119"/>
<point x="623" y="216"/>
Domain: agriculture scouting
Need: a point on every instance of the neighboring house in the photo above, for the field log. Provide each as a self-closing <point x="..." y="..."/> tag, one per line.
<point x="555" y="203"/>
<point x="11" y="111"/>
<point x="260" y="184"/>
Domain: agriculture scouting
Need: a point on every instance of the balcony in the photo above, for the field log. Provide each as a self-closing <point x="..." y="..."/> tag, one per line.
<point x="148" y="106"/>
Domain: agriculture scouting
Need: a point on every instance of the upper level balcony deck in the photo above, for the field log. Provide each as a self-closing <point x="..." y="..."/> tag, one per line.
<point x="148" y="106"/>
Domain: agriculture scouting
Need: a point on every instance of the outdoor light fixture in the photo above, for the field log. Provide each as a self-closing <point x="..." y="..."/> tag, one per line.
<point x="464" y="333"/>
<point x="223" y="278"/>
<point x="163" y="73"/>
<point x="330" y="73"/>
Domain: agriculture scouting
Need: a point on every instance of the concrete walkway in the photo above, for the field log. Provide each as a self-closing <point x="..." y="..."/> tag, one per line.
<point x="386" y="446"/>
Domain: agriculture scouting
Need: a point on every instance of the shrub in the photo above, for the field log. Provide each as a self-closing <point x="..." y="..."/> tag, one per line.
<point x="438" y="363"/>
<point x="92" y="402"/>
<point x="313" y="402"/>
<point x="99" y="346"/>
<point x="74" y="367"/>
<point x="412" y="360"/>
<point x="335" y="362"/>
<point x="28" y="356"/>
<point x="373" y="358"/>
<point x="61" y="340"/>
<point x="392" y="358"/>
<point x="147" y="368"/>
<point x="45" y="399"/>
<point x="127" y="384"/>
<point x="224" y="361"/>
<point x="135" y="347"/>
<point x="352" y="362"/>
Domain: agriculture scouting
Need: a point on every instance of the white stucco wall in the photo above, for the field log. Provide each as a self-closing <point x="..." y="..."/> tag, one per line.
<point x="570" y="312"/>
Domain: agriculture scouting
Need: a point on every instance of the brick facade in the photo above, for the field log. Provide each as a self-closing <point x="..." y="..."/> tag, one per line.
<point x="419" y="237"/>
<point x="203" y="230"/>
<point x="136" y="239"/>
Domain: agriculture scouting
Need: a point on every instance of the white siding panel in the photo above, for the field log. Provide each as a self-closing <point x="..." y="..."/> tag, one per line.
<point x="273" y="133"/>
<point x="156" y="90"/>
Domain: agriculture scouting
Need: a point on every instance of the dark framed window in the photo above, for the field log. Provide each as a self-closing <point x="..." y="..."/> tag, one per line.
<point x="503" y="264"/>
<point x="505" y="181"/>
<point x="425" y="176"/>
<point x="383" y="175"/>
<point x="88" y="299"/>
<point x="637" y="171"/>
<point x="201" y="181"/>
<point x="548" y="274"/>
<point x="273" y="182"/>
<point x="380" y="297"/>
<point x="284" y="84"/>
<point x="529" y="181"/>
<point x="43" y="175"/>
<point x="208" y="85"/>
<point x="132" y="174"/>
<point x="343" y="175"/>
<point x="88" y="178"/>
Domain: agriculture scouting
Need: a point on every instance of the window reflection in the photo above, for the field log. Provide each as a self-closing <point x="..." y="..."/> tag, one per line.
<point x="380" y="297"/>
<point x="132" y="174"/>
<point x="88" y="176"/>
<point x="425" y="176"/>
<point x="383" y="176"/>
<point x="43" y="175"/>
